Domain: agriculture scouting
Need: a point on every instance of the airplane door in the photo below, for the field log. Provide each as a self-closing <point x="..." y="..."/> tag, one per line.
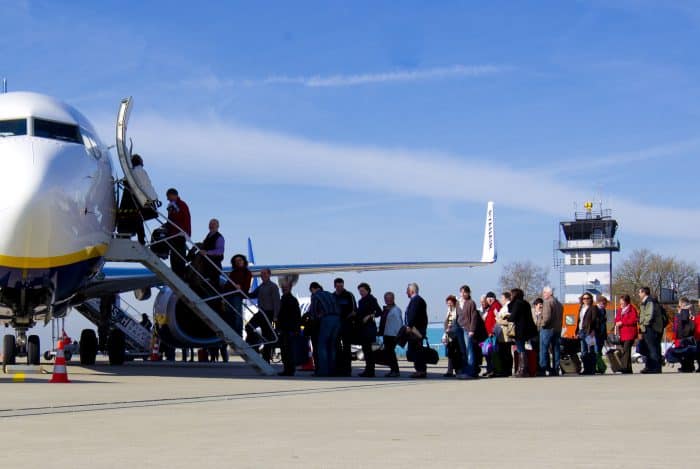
<point x="125" y="153"/>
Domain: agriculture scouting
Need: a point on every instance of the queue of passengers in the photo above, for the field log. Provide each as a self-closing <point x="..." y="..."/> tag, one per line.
<point x="512" y="336"/>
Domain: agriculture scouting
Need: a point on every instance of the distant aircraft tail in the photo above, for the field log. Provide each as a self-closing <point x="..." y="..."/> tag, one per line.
<point x="251" y="260"/>
<point x="489" y="251"/>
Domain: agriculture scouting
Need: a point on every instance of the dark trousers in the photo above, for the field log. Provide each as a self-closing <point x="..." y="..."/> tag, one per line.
<point x="652" y="339"/>
<point x="288" y="358"/>
<point x="178" y="252"/>
<point x="369" y="358"/>
<point x="343" y="353"/>
<point x="390" y="350"/>
<point x="626" y="356"/>
<point x="415" y="354"/>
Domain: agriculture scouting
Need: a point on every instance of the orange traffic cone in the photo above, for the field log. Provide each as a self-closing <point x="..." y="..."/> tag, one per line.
<point x="309" y="365"/>
<point x="60" y="374"/>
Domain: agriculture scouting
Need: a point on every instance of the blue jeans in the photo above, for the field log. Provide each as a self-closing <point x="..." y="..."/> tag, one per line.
<point x="549" y="337"/>
<point x="329" y="328"/>
<point x="472" y="365"/>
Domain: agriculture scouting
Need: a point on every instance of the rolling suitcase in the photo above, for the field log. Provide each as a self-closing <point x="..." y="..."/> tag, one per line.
<point x="530" y="362"/>
<point x="588" y="360"/>
<point x="502" y="360"/>
<point x="614" y="360"/>
<point x="570" y="364"/>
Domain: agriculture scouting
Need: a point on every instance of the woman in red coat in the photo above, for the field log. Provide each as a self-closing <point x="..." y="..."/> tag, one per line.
<point x="626" y="321"/>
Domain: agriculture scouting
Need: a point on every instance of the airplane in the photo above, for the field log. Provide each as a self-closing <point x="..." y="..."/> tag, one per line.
<point x="58" y="188"/>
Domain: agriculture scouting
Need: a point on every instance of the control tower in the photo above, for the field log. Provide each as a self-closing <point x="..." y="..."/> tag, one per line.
<point x="587" y="243"/>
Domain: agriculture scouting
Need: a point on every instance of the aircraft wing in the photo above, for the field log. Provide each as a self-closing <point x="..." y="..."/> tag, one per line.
<point x="119" y="279"/>
<point x="115" y="281"/>
<point x="488" y="256"/>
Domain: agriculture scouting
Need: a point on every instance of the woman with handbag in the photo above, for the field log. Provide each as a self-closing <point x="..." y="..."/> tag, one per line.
<point x="626" y="321"/>
<point x="367" y="309"/>
<point x="449" y="338"/>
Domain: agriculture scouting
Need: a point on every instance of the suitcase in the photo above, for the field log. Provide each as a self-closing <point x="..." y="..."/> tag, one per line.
<point x="530" y="363"/>
<point x="502" y="360"/>
<point x="570" y="364"/>
<point x="614" y="360"/>
<point x="588" y="360"/>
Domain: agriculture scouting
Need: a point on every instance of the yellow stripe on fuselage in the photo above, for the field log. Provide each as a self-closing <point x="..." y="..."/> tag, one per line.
<point x="89" y="252"/>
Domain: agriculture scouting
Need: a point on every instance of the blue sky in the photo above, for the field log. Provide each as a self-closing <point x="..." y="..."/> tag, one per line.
<point x="338" y="131"/>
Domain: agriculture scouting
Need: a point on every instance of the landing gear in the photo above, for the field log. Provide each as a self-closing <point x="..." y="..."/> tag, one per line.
<point x="88" y="347"/>
<point x="9" y="350"/>
<point x="116" y="347"/>
<point x="33" y="350"/>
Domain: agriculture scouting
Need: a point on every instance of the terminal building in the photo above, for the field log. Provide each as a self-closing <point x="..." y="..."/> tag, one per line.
<point x="587" y="243"/>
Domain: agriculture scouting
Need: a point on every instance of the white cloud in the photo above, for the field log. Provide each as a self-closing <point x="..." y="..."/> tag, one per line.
<point x="212" y="82"/>
<point x="454" y="71"/>
<point x="215" y="150"/>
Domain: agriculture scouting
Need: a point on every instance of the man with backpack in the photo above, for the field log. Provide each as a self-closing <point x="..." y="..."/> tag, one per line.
<point x="652" y="322"/>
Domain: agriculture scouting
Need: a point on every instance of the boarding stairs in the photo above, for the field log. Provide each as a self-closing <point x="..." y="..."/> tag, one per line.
<point x="125" y="250"/>
<point x="137" y="337"/>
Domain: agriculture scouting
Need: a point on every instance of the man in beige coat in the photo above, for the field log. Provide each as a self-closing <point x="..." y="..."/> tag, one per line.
<point x="550" y="333"/>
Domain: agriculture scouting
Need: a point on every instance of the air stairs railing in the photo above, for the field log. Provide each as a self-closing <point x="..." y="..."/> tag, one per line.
<point x="125" y="250"/>
<point x="138" y="338"/>
<point x="217" y="292"/>
<point x="121" y="249"/>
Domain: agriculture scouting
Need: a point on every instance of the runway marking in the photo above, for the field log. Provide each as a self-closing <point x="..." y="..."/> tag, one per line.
<point x="116" y="405"/>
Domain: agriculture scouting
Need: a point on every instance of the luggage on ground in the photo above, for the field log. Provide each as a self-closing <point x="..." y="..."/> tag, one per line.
<point x="570" y="364"/>
<point x="614" y="359"/>
<point x="502" y="361"/>
<point x="530" y="362"/>
<point x="589" y="361"/>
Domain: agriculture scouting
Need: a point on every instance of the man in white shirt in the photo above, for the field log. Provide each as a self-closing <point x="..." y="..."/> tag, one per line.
<point x="389" y="328"/>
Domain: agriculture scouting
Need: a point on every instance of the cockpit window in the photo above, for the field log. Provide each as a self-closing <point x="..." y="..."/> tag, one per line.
<point x="57" y="131"/>
<point x="10" y="128"/>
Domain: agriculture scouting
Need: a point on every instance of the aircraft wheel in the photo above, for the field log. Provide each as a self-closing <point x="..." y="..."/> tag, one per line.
<point x="88" y="347"/>
<point x="116" y="347"/>
<point x="9" y="350"/>
<point x="33" y="350"/>
<point x="48" y="356"/>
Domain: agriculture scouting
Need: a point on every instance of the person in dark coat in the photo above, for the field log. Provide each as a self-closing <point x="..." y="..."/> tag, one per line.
<point x="348" y="307"/>
<point x="525" y="328"/>
<point x="417" y="324"/>
<point x="367" y="309"/>
<point x="288" y="325"/>
<point x="586" y="331"/>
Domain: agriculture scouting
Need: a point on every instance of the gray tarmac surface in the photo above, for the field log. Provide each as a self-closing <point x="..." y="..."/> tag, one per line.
<point x="143" y="415"/>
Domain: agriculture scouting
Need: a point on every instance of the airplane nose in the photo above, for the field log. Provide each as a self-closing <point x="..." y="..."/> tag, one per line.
<point x="43" y="190"/>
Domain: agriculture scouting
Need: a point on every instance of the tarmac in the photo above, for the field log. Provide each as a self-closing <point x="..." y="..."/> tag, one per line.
<point x="223" y="415"/>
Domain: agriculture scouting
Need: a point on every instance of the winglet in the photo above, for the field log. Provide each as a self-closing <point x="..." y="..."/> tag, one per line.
<point x="488" y="254"/>
<point x="251" y="261"/>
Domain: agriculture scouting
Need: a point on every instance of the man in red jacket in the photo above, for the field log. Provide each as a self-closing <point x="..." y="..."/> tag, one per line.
<point x="179" y="222"/>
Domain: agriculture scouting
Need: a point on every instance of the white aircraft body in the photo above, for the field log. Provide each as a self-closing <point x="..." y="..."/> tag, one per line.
<point x="58" y="208"/>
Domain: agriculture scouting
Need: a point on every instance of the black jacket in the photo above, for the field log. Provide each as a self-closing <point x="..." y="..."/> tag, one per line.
<point x="289" y="316"/>
<point x="521" y="315"/>
<point x="417" y="315"/>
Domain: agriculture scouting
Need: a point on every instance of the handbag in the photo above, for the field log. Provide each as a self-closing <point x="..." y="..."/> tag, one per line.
<point x="430" y="355"/>
<point x="614" y="339"/>
<point x="509" y="330"/>
<point x="488" y="346"/>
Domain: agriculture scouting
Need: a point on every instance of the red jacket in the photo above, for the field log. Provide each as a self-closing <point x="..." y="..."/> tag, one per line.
<point x="490" y="319"/>
<point x="628" y="330"/>
<point x="179" y="213"/>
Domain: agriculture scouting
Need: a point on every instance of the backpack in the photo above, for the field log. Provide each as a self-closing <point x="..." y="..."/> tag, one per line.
<point x="660" y="312"/>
